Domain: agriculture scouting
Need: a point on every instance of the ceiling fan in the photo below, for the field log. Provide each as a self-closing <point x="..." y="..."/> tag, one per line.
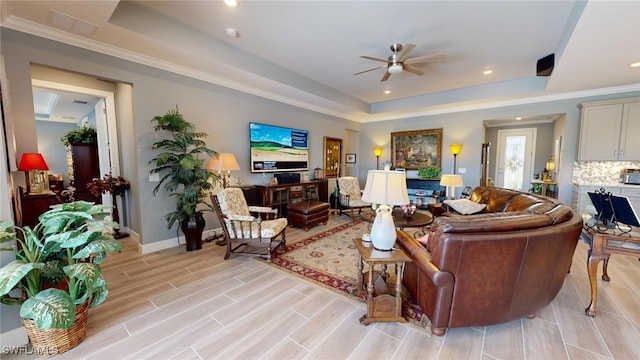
<point x="398" y="61"/>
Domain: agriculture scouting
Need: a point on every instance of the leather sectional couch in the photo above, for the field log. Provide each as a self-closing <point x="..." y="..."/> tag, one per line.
<point x="499" y="265"/>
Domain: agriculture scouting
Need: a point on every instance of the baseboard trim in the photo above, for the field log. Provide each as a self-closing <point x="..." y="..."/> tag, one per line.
<point x="170" y="243"/>
<point x="14" y="338"/>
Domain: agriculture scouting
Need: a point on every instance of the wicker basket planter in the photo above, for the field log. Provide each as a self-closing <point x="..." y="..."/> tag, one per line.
<point x="49" y="342"/>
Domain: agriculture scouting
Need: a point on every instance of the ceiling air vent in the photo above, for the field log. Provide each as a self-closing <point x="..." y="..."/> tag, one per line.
<point x="68" y="22"/>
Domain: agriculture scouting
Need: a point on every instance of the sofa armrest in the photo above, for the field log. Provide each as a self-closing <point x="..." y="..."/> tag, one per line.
<point x="430" y="287"/>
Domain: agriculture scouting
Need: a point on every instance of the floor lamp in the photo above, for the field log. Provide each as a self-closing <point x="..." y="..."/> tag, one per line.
<point x="223" y="163"/>
<point x="377" y="152"/>
<point x="455" y="150"/>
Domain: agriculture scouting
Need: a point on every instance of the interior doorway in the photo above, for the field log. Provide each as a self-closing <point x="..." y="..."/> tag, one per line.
<point x="515" y="158"/>
<point x="105" y="124"/>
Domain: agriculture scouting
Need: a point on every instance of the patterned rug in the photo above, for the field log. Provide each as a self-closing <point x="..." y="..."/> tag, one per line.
<point x="330" y="259"/>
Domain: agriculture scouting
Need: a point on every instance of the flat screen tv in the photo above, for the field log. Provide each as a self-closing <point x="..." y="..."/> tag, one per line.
<point x="276" y="148"/>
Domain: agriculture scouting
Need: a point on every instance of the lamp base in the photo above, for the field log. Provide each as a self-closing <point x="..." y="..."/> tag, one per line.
<point x="383" y="230"/>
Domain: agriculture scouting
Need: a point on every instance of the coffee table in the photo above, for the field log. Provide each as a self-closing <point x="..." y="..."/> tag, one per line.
<point x="418" y="220"/>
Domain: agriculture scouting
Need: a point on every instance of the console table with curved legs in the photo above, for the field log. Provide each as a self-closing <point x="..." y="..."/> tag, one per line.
<point x="603" y="245"/>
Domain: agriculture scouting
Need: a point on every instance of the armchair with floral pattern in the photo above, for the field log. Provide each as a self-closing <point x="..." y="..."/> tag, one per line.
<point x="242" y="229"/>
<point x="350" y="195"/>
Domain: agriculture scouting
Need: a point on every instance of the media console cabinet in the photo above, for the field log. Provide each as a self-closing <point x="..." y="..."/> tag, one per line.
<point x="280" y="195"/>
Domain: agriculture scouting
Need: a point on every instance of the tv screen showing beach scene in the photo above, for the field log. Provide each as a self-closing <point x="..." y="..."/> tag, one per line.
<point x="276" y="148"/>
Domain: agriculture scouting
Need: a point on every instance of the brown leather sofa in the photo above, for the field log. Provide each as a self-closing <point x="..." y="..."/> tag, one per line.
<point x="499" y="265"/>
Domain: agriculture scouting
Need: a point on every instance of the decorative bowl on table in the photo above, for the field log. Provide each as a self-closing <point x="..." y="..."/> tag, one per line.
<point x="408" y="210"/>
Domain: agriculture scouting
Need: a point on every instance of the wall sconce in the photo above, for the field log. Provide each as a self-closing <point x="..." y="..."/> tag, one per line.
<point x="455" y="150"/>
<point x="377" y="152"/>
<point x="223" y="163"/>
<point x="35" y="170"/>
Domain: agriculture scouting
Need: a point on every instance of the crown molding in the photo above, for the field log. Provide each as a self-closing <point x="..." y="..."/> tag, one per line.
<point x="328" y="107"/>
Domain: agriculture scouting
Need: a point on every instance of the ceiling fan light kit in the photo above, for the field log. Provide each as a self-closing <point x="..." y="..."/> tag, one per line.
<point x="394" y="68"/>
<point x="399" y="61"/>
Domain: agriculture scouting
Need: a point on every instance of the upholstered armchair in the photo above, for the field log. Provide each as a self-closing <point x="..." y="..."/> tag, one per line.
<point x="350" y="195"/>
<point x="241" y="229"/>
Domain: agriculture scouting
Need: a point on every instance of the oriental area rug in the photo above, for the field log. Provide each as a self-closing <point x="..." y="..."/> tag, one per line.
<point x="330" y="259"/>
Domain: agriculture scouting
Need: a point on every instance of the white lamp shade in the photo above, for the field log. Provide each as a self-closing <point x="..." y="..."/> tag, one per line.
<point x="551" y="164"/>
<point x="386" y="187"/>
<point x="451" y="180"/>
<point x="223" y="162"/>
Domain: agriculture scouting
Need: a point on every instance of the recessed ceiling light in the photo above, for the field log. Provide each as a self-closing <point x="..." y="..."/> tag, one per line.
<point x="231" y="3"/>
<point x="487" y="72"/>
<point x="387" y="92"/>
<point x="519" y="118"/>
<point x="635" y="64"/>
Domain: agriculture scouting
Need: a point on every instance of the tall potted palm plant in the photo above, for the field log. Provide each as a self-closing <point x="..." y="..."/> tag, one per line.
<point x="183" y="174"/>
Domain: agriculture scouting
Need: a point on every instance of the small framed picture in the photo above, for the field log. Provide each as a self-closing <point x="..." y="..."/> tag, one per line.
<point x="274" y="180"/>
<point x="351" y="158"/>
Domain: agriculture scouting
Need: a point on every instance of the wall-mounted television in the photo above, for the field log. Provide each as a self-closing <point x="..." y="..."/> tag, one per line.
<point x="276" y="148"/>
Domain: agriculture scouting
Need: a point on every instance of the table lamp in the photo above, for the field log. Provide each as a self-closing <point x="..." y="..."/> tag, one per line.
<point x="223" y="163"/>
<point x="35" y="168"/>
<point x="451" y="181"/>
<point x="387" y="188"/>
<point x="548" y="169"/>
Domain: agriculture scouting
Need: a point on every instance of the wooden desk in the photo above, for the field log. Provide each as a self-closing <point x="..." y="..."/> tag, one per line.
<point x="603" y="245"/>
<point x="381" y="305"/>
<point x="279" y="196"/>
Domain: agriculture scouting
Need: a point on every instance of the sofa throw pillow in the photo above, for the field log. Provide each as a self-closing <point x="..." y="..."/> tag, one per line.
<point x="465" y="206"/>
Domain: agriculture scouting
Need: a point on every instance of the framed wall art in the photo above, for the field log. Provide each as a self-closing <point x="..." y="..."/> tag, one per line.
<point x="350" y="158"/>
<point x="332" y="156"/>
<point x="417" y="149"/>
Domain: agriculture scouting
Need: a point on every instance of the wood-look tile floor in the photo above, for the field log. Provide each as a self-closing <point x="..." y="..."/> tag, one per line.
<point x="175" y="304"/>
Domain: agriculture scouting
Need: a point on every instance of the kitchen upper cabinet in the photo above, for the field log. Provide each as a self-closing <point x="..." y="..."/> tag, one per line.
<point x="609" y="130"/>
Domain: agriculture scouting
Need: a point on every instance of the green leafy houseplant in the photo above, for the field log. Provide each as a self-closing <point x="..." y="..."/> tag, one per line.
<point x="429" y="172"/>
<point x="80" y="135"/>
<point x="57" y="263"/>
<point x="182" y="170"/>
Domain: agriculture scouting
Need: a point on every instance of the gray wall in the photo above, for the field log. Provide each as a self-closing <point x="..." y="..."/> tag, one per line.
<point x="222" y="113"/>
<point x="467" y="129"/>
<point x="544" y="145"/>
<point x="50" y="146"/>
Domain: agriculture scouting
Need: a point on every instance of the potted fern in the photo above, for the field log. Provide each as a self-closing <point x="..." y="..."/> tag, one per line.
<point x="56" y="276"/>
<point x="183" y="174"/>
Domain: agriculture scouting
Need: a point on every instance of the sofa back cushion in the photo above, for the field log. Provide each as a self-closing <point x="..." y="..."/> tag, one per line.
<point x="497" y="199"/>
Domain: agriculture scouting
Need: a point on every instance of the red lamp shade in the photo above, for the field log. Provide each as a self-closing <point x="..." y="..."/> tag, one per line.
<point x="32" y="161"/>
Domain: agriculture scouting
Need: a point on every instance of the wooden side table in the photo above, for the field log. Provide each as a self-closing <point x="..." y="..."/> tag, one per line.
<point x="381" y="305"/>
<point x="603" y="245"/>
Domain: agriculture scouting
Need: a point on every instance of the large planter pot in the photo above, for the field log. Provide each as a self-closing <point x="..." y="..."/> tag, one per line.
<point x="192" y="229"/>
<point x="49" y="342"/>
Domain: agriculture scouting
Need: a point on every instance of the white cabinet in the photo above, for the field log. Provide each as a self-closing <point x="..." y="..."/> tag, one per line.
<point x="609" y="130"/>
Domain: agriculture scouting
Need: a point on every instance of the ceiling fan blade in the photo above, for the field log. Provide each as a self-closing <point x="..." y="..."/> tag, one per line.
<point x="405" y="52"/>
<point x="374" y="59"/>
<point x="412" y="69"/>
<point x="420" y="59"/>
<point x="375" y="68"/>
<point x="385" y="77"/>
